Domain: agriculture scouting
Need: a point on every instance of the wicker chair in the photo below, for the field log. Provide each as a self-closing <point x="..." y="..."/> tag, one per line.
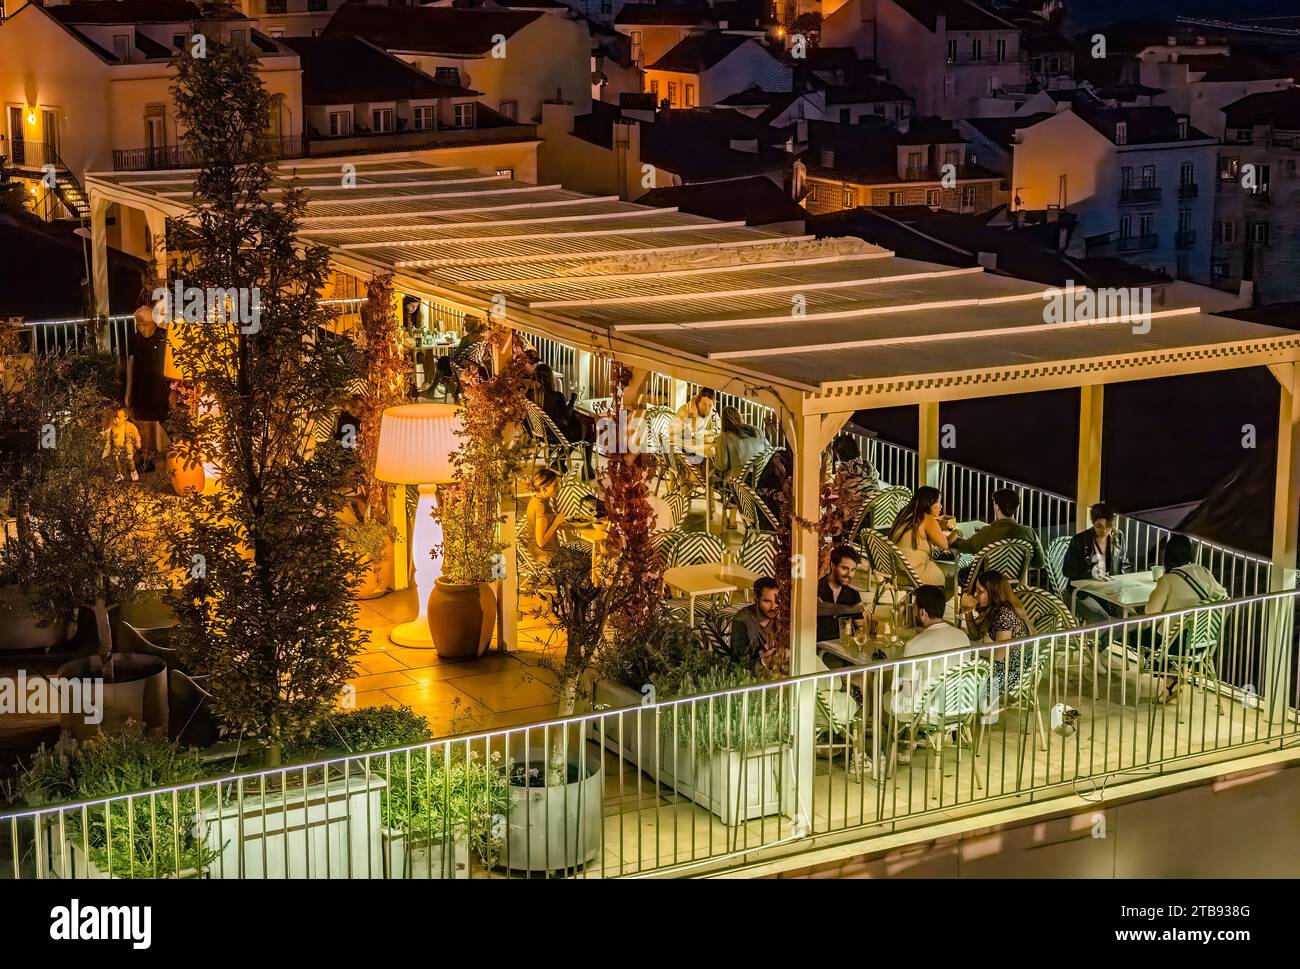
<point x="884" y="506"/>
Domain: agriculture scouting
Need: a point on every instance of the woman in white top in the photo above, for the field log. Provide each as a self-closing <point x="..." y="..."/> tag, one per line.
<point x="918" y="534"/>
<point x="1184" y="584"/>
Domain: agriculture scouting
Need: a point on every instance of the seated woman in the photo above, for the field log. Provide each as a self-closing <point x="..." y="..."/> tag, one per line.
<point x="543" y="522"/>
<point x="737" y="445"/>
<point x="918" y="535"/>
<point x="1184" y="584"/>
<point x="997" y="616"/>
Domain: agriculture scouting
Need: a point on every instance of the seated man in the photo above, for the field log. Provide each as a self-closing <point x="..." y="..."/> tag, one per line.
<point x="1004" y="525"/>
<point x="836" y="599"/>
<point x="936" y="636"/>
<point x="752" y="631"/>
<point x="1097" y="553"/>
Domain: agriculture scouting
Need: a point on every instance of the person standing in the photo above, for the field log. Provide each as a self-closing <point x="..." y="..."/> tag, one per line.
<point x="147" y="388"/>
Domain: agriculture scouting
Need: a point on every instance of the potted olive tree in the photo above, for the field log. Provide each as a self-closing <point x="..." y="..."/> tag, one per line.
<point x="462" y="605"/>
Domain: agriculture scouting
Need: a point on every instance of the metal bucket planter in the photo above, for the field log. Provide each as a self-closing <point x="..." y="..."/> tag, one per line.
<point x="736" y="786"/>
<point x="556" y="827"/>
<point x="137" y="692"/>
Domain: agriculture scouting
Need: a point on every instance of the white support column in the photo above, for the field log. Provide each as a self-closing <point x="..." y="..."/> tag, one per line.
<point x="584" y="362"/>
<point x="1286" y="534"/>
<point x="927" y="444"/>
<point x="99" y="252"/>
<point x="157" y="223"/>
<point x="803" y="597"/>
<point x="1088" y="483"/>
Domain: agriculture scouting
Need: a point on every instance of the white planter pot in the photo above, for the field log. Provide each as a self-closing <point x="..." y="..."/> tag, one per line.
<point x="734" y="787"/>
<point x="19" y="627"/>
<point x="329" y="829"/>
<point x="420" y="857"/>
<point x="631" y="733"/>
<point x="138" y="692"/>
<point x="552" y="828"/>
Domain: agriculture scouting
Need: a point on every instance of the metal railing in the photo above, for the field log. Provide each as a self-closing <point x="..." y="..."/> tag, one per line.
<point x="1137" y="243"/>
<point x="670" y="787"/>
<point x="54" y="336"/>
<point x="1138" y="194"/>
<point x="182" y="156"/>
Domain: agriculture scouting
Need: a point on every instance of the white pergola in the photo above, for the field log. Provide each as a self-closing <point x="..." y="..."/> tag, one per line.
<point x="815" y="329"/>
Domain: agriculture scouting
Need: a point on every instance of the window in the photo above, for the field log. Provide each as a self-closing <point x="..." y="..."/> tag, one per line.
<point x="277" y="33"/>
<point x="447" y="75"/>
<point x="510" y="109"/>
<point x="932" y="197"/>
<point x="1148" y="176"/>
<point x="1242" y="134"/>
<point x="1257" y="233"/>
<point x="1121" y="132"/>
<point x="895" y="198"/>
<point x="689" y="90"/>
<point x="1182" y="128"/>
<point x="1186" y="174"/>
<point x="1229" y="168"/>
<point x="1126" y="178"/>
<point x="1002" y="50"/>
<point x="381" y="120"/>
<point x="239" y="38"/>
<point x="507" y="172"/>
<point x="277" y="6"/>
<point x="1184" y="220"/>
<point x="850" y="198"/>
<point x="422" y="117"/>
<point x="813" y="192"/>
<point x="1225" y="231"/>
<point x="976" y="49"/>
<point x="1262" y="173"/>
<point x="1221" y="270"/>
<point x="949" y="86"/>
<point x="340" y="123"/>
<point x="179" y="41"/>
<point x="463" y="116"/>
<point x="636" y="48"/>
<point x="968" y="197"/>
<point x="1126" y="227"/>
<point x="121" y="46"/>
<point x="951" y="156"/>
<point x="317" y="31"/>
<point x="952" y="51"/>
<point x="654" y="90"/>
<point x="672" y="94"/>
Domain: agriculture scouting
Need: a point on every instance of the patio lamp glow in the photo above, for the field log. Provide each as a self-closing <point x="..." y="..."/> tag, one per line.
<point x="416" y="444"/>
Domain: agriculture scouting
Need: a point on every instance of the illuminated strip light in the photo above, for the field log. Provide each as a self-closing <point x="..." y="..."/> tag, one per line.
<point x="569" y="199"/>
<point x="440" y="226"/>
<point x="753" y="290"/>
<point x="941" y="337"/>
<point x="837" y="314"/>
<point x="577" y="234"/>
<point x="77" y="320"/>
<point x="362" y="186"/>
<point x="593" y="278"/>
<point x="600" y="254"/>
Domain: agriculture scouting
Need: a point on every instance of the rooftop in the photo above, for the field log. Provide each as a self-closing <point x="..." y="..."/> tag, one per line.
<point x="1280" y="109"/>
<point x="1002" y="131"/>
<point x="960" y="14"/>
<point x="1146" y="126"/>
<point x="341" y="70"/>
<point x="699" y="52"/>
<point x="130" y="12"/>
<point x="429" y="30"/>
<point x="756" y="200"/>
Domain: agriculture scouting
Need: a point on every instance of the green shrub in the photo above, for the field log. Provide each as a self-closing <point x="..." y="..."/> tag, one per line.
<point x="746" y="721"/>
<point x="129" y="837"/>
<point x="435" y="796"/>
<point x="364" y="730"/>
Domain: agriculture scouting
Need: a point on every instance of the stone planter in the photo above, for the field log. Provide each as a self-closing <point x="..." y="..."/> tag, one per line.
<point x="553" y="828"/>
<point x="461" y="618"/>
<point x="329" y="829"/>
<point x="422" y="857"/>
<point x="138" y="692"/>
<point x="631" y="733"/>
<point x="20" y="629"/>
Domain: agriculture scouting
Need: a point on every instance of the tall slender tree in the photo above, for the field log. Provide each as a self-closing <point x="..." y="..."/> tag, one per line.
<point x="268" y="610"/>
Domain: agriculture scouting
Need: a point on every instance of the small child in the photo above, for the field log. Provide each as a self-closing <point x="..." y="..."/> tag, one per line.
<point x="122" y="438"/>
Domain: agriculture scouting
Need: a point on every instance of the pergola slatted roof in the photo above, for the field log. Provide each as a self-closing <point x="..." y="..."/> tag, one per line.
<point x="713" y="301"/>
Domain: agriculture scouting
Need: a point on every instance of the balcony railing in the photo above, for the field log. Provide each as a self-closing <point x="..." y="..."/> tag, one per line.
<point x="181" y="156"/>
<point x="31" y="155"/>
<point x="1185" y="239"/>
<point x="1137" y="243"/>
<point x="1139" y="194"/>
<point x="1188" y="190"/>
<point x="932" y="173"/>
<point x="720" y="779"/>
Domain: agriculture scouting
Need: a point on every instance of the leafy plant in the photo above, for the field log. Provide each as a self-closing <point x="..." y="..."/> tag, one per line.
<point x="128" y="837"/>
<point x="368" y="540"/>
<point x="384" y="385"/>
<point x="268" y="611"/>
<point x="663" y="652"/>
<point x="434" y="795"/>
<point x="745" y="721"/>
<point x="363" y="730"/>
<point x="485" y="468"/>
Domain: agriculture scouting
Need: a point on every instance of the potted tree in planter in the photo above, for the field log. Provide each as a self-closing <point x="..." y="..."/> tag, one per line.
<point x="268" y="606"/>
<point x="462" y="606"/>
<point x="126" y="837"/>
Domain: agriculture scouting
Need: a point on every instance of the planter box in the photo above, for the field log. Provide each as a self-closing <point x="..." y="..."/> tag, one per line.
<point x="712" y="779"/>
<point x="420" y="857"/>
<point x="329" y="829"/>
<point x="734" y="787"/>
<point x="77" y="865"/>
<point x="553" y="828"/>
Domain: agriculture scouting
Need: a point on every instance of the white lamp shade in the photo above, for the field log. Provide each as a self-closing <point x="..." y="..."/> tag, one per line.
<point x="416" y="443"/>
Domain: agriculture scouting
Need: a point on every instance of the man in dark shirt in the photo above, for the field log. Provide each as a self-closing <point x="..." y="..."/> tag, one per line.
<point x="751" y="628"/>
<point x="836" y="599"/>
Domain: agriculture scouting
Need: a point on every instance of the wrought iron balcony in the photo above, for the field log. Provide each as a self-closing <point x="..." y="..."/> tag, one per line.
<point x="1185" y="239"/>
<point x="1188" y="190"/>
<point x="1139" y="194"/>
<point x="182" y="156"/>
<point x="1137" y="243"/>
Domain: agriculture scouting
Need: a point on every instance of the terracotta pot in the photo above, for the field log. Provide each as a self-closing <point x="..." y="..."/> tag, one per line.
<point x="186" y="479"/>
<point x="378" y="578"/>
<point x="461" y="618"/>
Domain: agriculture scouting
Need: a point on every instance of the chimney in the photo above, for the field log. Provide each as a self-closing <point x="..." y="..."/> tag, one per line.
<point x="557" y="118"/>
<point x="989" y="260"/>
<point x="1183" y="123"/>
<point x="1172" y="41"/>
<point x="828" y="157"/>
<point x="1062" y="237"/>
<point x="801" y="131"/>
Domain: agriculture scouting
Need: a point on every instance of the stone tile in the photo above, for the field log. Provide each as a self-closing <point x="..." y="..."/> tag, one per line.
<point x="378" y="663"/>
<point x="380" y="681"/>
<point x="514" y="688"/>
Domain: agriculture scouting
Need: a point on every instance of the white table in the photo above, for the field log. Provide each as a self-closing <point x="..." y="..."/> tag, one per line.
<point x="708" y="579"/>
<point x="1125" y="591"/>
<point x="856" y="655"/>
